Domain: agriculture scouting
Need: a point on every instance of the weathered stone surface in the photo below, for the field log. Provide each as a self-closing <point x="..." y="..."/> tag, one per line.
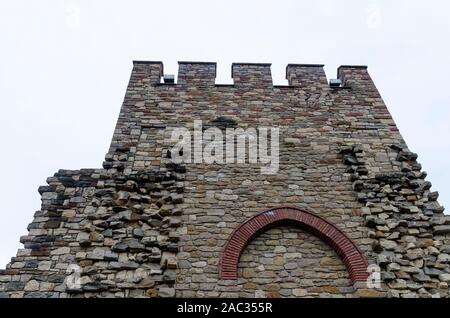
<point x="368" y="293"/>
<point x="166" y="292"/>
<point x="31" y="286"/>
<point x="444" y="277"/>
<point x="441" y="229"/>
<point x="432" y="271"/>
<point x="60" y="251"/>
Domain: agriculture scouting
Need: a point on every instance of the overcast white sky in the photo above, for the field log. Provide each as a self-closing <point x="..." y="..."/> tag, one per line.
<point x="64" y="67"/>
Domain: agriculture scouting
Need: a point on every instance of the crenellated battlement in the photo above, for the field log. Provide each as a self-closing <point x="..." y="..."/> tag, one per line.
<point x="300" y="75"/>
<point x="355" y="76"/>
<point x="197" y="73"/>
<point x="153" y="70"/>
<point x="256" y="75"/>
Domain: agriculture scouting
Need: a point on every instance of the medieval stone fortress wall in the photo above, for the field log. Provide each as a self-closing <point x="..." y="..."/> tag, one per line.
<point x="349" y="200"/>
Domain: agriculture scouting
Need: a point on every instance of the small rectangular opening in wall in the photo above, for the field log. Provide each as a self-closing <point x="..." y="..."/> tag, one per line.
<point x="223" y="77"/>
<point x="278" y="71"/>
<point x="335" y="82"/>
<point x="169" y="79"/>
<point x="170" y="69"/>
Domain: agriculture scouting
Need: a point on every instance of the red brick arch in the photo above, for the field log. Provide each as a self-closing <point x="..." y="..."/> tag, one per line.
<point x="354" y="260"/>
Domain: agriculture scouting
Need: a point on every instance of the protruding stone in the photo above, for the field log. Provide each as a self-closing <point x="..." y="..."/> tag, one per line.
<point x="441" y="229"/>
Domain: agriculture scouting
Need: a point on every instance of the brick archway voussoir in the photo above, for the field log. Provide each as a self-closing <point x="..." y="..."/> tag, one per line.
<point x="354" y="260"/>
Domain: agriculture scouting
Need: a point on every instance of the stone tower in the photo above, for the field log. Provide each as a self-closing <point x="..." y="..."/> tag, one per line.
<point x="348" y="204"/>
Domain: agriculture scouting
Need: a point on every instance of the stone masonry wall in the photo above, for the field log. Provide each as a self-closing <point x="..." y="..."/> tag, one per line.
<point x="117" y="235"/>
<point x="408" y="227"/>
<point x="290" y="262"/>
<point x="145" y="227"/>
